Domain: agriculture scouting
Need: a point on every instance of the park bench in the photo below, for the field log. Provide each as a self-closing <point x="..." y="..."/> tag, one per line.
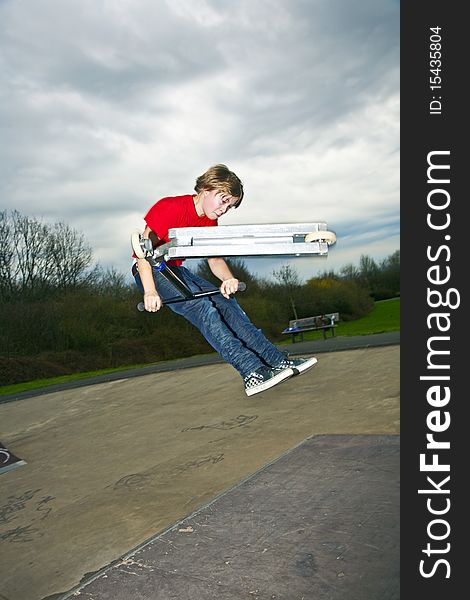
<point x="321" y="322"/>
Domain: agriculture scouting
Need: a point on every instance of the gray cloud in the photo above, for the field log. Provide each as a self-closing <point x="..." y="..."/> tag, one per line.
<point x="107" y="106"/>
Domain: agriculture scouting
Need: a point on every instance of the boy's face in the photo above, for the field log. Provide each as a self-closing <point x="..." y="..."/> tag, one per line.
<point x="215" y="204"/>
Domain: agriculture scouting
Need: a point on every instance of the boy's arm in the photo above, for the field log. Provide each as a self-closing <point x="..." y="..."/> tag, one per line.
<point x="219" y="267"/>
<point x="152" y="301"/>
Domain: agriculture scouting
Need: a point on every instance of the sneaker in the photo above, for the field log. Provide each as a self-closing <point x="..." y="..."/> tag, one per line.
<point x="297" y="365"/>
<point x="264" y="378"/>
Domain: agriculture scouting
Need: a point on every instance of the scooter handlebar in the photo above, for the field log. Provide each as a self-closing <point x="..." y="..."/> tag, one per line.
<point x="241" y="288"/>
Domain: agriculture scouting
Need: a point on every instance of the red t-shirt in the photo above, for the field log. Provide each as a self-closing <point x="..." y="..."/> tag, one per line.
<point x="176" y="211"/>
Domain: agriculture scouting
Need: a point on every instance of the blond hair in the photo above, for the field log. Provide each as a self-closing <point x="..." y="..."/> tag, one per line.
<point x="220" y="178"/>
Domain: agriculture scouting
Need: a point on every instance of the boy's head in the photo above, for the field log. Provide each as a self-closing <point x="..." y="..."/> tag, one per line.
<point x="220" y="178"/>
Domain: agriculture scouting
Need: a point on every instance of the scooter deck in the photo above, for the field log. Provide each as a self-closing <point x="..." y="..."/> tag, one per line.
<point x="246" y="240"/>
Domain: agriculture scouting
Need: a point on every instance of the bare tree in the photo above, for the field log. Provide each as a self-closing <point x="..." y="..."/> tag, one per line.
<point x="6" y="254"/>
<point x="369" y="271"/>
<point x="30" y="249"/>
<point x="69" y="255"/>
<point x="37" y="256"/>
<point x="111" y="282"/>
<point x="350" y="272"/>
<point x="288" y="277"/>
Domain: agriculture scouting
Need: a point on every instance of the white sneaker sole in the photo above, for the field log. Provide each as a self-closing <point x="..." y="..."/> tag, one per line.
<point x="308" y="364"/>
<point x="282" y="376"/>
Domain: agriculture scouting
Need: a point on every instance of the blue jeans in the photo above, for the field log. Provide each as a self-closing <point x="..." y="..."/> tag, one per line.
<point x="222" y="322"/>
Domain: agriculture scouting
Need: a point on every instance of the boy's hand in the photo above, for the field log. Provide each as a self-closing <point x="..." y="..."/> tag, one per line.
<point x="229" y="286"/>
<point x="152" y="301"/>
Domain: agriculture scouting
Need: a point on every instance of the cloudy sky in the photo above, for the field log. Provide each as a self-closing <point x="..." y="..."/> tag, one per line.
<point x="108" y="105"/>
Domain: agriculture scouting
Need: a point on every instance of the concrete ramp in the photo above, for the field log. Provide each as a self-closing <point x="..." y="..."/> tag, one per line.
<point x="114" y="464"/>
<point x="321" y="522"/>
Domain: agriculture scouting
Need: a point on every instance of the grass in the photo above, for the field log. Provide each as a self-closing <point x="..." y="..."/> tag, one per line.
<point x="385" y="316"/>
<point x="6" y="390"/>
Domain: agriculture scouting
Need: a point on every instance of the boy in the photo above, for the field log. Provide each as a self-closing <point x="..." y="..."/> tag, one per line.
<point x="219" y="318"/>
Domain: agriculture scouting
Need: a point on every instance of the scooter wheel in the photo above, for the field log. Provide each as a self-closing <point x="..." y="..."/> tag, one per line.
<point x="136" y="244"/>
<point x="321" y="236"/>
